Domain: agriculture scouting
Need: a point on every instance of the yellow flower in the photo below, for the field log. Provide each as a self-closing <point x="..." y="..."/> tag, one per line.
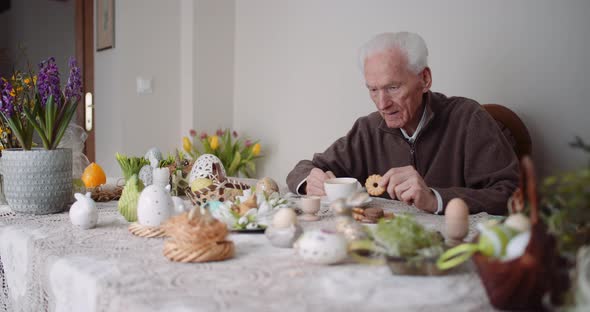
<point x="12" y="93"/>
<point x="27" y="80"/>
<point x="214" y="142"/>
<point x="186" y="144"/>
<point x="256" y="149"/>
<point x="35" y="79"/>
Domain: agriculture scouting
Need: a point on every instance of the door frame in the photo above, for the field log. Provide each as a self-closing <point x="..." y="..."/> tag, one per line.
<point x="84" y="33"/>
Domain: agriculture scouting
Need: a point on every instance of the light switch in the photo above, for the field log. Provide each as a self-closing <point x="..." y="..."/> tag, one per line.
<point x="144" y="85"/>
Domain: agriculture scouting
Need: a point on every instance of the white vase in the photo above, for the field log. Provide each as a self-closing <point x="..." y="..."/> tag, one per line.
<point x="38" y="181"/>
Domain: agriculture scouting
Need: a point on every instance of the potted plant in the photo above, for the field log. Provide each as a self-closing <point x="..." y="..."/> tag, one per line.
<point x="38" y="180"/>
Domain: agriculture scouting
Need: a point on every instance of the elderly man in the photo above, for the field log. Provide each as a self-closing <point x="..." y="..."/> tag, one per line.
<point x="429" y="148"/>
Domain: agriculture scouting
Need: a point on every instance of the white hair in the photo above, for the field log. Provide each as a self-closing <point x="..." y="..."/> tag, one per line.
<point x="411" y="44"/>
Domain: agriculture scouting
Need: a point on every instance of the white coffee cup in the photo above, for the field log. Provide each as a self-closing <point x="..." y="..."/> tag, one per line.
<point x="337" y="188"/>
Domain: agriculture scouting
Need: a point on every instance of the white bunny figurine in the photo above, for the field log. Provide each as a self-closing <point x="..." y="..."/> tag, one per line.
<point x="83" y="212"/>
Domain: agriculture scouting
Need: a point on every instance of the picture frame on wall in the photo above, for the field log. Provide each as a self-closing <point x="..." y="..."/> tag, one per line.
<point x="105" y="24"/>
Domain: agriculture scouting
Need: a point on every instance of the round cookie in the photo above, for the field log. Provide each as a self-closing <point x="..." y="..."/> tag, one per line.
<point x="372" y="185"/>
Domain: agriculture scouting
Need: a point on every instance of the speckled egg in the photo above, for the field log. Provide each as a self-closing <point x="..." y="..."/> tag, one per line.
<point x="154" y="206"/>
<point x="267" y="185"/>
<point x="203" y="168"/>
<point x="322" y="247"/>
<point x="146" y="175"/>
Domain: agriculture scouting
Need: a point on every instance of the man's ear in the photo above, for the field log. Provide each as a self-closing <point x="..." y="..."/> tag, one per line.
<point x="426" y="77"/>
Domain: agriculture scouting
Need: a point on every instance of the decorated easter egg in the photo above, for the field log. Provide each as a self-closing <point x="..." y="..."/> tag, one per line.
<point x="83" y="212"/>
<point x="203" y="168"/>
<point x="154" y="206"/>
<point x="322" y="247"/>
<point x="146" y="175"/>
<point x="267" y="185"/>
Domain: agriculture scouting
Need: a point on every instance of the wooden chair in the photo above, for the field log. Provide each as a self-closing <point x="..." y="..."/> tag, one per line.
<point x="512" y="127"/>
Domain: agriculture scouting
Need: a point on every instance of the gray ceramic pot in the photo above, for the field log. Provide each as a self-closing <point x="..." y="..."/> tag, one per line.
<point x="37" y="181"/>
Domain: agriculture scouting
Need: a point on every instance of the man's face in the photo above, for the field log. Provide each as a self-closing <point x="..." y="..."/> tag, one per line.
<point x="395" y="89"/>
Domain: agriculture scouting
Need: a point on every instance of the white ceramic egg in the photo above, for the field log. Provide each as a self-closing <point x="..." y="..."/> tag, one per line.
<point x="203" y="167"/>
<point x="283" y="237"/>
<point x="456" y="219"/>
<point x="284" y="218"/>
<point x="154" y="206"/>
<point x="83" y="212"/>
<point x="322" y="247"/>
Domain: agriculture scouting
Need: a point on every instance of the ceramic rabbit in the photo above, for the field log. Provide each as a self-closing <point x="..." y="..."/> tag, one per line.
<point x="83" y="212"/>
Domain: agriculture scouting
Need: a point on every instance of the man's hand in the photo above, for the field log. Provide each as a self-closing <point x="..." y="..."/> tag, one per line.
<point x="315" y="181"/>
<point x="406" y="184"/>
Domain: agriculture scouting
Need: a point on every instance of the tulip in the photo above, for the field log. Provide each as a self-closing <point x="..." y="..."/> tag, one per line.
<point x="193" y="133"/>
<point x="256" y="149"/>
<point x="214" y="142"/>
<point x="186" y="144"/>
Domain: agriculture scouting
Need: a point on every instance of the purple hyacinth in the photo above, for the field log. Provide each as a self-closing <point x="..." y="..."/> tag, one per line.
<point x="6" y="98"/>
<point x="74" y="86"/>
<point x="48" y="81"/>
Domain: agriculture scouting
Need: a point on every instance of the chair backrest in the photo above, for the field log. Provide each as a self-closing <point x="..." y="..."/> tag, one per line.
<point x="512" y="127"/>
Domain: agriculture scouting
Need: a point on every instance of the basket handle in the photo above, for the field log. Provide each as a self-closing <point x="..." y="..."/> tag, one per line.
<point x="455" y="256"/>
<point x="528" y="182"/>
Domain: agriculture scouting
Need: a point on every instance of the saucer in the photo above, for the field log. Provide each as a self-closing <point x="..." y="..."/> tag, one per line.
<point x="326" y="202"/>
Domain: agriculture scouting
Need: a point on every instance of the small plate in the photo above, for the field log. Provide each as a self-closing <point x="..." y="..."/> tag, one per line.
<point x="250" y="231"/>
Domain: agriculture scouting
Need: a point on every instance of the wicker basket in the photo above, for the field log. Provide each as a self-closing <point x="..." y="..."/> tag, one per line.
<point x="523" y="282"/>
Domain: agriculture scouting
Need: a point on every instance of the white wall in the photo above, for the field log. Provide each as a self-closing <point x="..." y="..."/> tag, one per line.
<point x="298" y="88"/>
<point x="186" y="48"/>
<point x="147" y="44"/>
<point x="214" y="30"/>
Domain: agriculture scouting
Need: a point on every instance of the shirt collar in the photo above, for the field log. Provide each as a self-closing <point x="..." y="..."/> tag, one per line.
<point x="412" y="138"/>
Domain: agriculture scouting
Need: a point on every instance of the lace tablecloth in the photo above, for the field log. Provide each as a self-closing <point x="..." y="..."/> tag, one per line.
<point x="46" y="264"/>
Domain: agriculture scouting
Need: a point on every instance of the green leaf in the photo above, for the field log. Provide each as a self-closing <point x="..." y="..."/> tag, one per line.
<point x="49" y="117"/>
<point x="64" y="122"/>
<point x="33" y="121"/>
<point x="234" y="165"/>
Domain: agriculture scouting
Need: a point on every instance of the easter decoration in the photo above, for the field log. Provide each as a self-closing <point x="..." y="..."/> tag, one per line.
<point x="517" y="260"/>
<point x="284" y="230"/>
<point x="130" y="165"/>
<point x="196" y="236"/>
<point x="155" y="205"/>
<point x="128" y="202"/>
<point x="251" y="212"/>
<point x="83" y="212"/>
<point x="456" y="221"/>
<point x="322" y="247"/>
<point x="208" y="182"/>
<point x="146" y="173"/>
<point x="404" y="244"/>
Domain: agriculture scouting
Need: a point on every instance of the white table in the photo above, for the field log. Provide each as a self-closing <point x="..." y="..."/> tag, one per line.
<point x="46" y="264"/>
